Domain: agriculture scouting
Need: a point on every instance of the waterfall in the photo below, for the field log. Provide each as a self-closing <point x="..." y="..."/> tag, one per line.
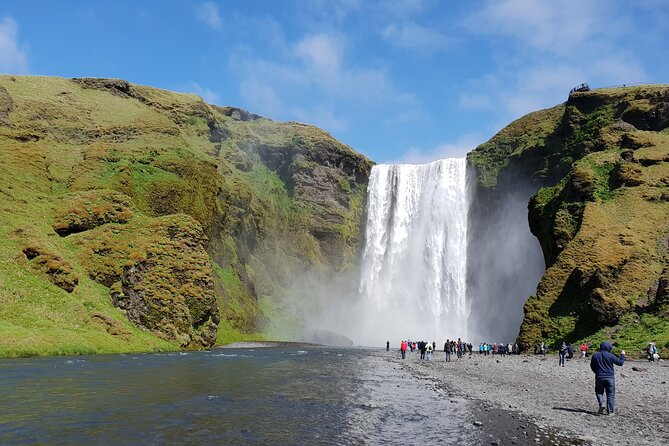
<point x="414" y="265"/>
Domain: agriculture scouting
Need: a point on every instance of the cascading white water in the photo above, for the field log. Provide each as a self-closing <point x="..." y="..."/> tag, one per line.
<point x="414" y="266"/>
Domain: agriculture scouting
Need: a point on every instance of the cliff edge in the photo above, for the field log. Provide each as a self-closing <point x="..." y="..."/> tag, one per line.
<point x="135" y="219"/>
<point x="598" y="166"/>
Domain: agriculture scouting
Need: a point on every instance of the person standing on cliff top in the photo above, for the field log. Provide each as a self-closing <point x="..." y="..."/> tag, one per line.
<point x="602" y="365"/>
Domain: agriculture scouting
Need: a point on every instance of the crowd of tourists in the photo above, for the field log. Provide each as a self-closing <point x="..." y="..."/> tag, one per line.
<point x="601" y="363"/>
<point x="459" y="348"/>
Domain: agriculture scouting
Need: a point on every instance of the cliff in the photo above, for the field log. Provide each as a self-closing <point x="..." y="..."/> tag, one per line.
<point x="598" y="171"/>
<point x="133" y="218"/>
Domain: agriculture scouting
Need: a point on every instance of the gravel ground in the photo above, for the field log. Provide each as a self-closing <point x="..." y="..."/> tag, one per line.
<point x="559" y="399"/>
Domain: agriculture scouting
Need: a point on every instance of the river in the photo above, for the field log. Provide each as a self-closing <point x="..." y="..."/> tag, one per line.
<point x="272" y="396"/>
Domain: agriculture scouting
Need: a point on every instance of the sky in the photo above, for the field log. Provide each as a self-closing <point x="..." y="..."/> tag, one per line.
<point x="397" y="80"/>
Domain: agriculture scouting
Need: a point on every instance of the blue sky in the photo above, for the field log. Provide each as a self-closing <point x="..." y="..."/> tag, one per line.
<point x="398" y="80"/>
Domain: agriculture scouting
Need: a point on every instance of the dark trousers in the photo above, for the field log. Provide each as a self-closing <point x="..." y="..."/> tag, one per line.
<point x="404" y="353"/>
<point x="448" y="356"/>
<point x="561" y="359"/>
<point x="607" y="385"/>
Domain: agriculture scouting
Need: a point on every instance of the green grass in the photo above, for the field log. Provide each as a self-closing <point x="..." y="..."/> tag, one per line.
<point x="634" y="333"/>
<point x="154" y="148"/>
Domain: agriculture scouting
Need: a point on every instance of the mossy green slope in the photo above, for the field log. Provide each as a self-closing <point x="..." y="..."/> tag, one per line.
<point x="137" y="219"/>
<point x="600" y="164"/>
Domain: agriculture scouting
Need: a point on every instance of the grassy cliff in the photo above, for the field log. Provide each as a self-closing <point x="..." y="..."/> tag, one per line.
<point x="600" y="167"/>
<point x="136" y="219"/>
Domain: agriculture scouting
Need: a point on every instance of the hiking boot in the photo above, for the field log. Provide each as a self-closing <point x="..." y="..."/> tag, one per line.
<point x="601" y="410"/>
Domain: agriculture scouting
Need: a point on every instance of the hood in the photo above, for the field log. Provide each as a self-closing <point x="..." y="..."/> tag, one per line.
<point x="605" y="346"/>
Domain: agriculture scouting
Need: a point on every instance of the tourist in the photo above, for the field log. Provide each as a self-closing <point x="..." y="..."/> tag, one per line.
<point x="562" y="352"/>
<point x="570" y="351"/>
<point x="584" y="349"/>
<point x="652" y="352"/>
<point x="447" y="350"/>
<point x="602" y="365"/>
<point x="388" y="345"/>
<point x="403" y="349"/>
<point x="422" y="345"/>
<point x="544" y="348"/>
<point x="428" y="349"/>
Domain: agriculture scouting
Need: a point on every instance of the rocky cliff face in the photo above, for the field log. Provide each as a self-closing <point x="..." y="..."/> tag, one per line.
<point x="598" y="167"/>
<point x="133" y="218"/>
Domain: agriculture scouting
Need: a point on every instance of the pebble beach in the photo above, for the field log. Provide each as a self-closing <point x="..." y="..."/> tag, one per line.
<point x="556" y="400"/>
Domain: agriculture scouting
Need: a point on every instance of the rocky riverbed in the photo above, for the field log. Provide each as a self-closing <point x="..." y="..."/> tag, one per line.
<point x="554" y="404"/>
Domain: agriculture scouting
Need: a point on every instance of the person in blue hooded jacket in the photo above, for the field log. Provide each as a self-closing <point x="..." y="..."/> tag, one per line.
<point x="602" y="365"/>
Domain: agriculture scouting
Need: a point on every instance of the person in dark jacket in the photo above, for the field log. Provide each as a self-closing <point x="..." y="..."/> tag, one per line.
<point x="562" y="352"/>
<point x="602" y="365"/>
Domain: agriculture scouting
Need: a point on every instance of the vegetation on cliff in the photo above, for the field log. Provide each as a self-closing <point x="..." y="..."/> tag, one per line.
<point x="135" y="219"/>
<point x="600" y="166"/>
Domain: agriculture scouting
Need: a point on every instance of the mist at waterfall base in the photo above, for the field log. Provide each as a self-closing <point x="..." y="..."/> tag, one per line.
<point x="438" y="261"/>
<point x="505" y="261"/>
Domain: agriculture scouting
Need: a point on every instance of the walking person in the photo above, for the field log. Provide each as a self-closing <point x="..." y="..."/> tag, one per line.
<point x="584" y="349"/>
<point x="429" y="351"/>
<point x="602" y="365"/>
<point x="388" y="345"/>
<point x="651" y="351"/>
<point x="562" y="352"/>
<point x="403" y="349"/>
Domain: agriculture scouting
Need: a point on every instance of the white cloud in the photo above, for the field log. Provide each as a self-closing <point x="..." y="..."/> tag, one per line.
<point x="473" y="101"/>
<point x="208" y="14"/>
<point x="320" y="116"/>
<point x="311" y="78"/>
<point x="618" y="69"/>
<point x="456" y="149"/>
<point x="261" y="98"/>
<point x="316" y="64"/>
<point x="13" y="59"/>
<point x="330" y="10"/>
<point x="205" y="93"/>
<point x="415" y="37"/>
<point x="322" y="52"/>
<point x="543" y="49"/>
<point x="558" y="26"/>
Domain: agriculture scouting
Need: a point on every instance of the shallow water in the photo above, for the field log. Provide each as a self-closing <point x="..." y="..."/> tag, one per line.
<point x="252" y="396"/>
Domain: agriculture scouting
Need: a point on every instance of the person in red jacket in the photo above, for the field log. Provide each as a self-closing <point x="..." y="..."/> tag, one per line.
<point x="584" y="349"/>
<point x="403" y="349"/>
